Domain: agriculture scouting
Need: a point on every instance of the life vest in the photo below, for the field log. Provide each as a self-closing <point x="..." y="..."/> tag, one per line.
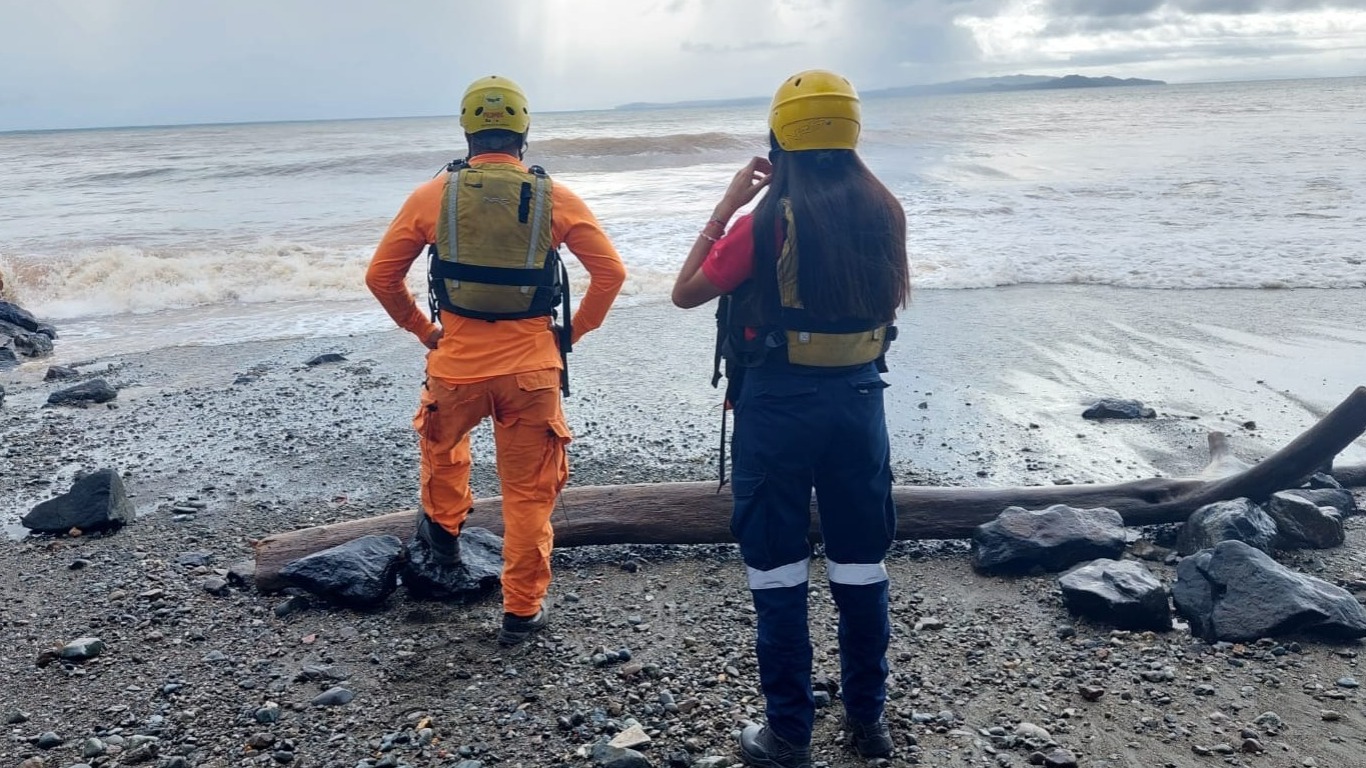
<point x="494" y="256"/>
<point x="750" y="333"/>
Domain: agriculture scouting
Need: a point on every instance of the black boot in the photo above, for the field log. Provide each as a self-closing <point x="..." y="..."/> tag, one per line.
<point x="760" y="747"/>
<point x="516" y="629"/>
<point x="870" y="739"/>
<point x="443" y="546"/>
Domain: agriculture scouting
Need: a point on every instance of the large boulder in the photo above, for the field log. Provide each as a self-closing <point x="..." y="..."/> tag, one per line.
<point x="1302" y="523"/>
<point x="97" y="501"/>
<point x="1118" y="592"/>
<point x="479" y="570"/>
<point x="92" y="391"/>
<point x="1052" y="539"/>
<point x="1235" y="592"/>
<point x="1233" y="520"/>
<point x="26" y="343"/>
<point x="360" y="573"/>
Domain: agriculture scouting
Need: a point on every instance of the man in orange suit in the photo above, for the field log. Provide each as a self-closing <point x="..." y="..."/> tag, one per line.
<point x="495" y="227"/>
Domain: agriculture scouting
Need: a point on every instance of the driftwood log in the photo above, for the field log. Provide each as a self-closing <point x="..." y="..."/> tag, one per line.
<point x="695" y="513"/>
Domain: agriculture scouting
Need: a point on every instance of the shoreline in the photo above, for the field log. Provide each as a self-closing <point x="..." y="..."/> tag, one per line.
<point x="266" y="444"/>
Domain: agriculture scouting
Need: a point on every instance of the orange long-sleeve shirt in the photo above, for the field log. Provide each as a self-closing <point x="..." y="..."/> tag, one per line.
<point x="473" y="350"/>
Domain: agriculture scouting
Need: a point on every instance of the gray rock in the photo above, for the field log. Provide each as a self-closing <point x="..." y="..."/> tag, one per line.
<point x="1053" y="539"/>
<point x="61" y="373"/>
<point x="1118" y="592"/>
<point x="1235" y="592"/>
<point x="1233" y="520"/>
<point x="242" y="574"/>
<point x="24" y="342"/>
<point x="480" y="568"/>
<point x="334" y="697"/>
<point x="361" y="573"/>
<point x="15" y="315"/>
<point x="82" y="648"/>
<point x="608" y="756"/>
<point x="1111" y="408"/>
<point x="48" y="740"/>
<point x="92" y="747"/>
<point x="216" y="586"/>
<point x="92" y="391"/>
<point x="8" y="357"/>
<point x="97" y="501"/>
<point x="194" y="559"/>
<point x="1302" y="523"/>
<point x="2" y="389"/>
<point x="1338" y="498"/>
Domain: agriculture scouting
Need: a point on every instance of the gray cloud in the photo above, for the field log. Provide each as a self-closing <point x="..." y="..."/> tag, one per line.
<point x="1106" y="8"/>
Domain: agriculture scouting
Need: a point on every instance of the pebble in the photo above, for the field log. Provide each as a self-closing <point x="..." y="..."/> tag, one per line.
<point x="1347" y="682"/>
<point x="1330" y="715"/>
<point x="216" y="585"/>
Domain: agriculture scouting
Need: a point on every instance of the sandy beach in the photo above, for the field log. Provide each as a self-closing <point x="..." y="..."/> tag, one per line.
<point x="987" y="390"/>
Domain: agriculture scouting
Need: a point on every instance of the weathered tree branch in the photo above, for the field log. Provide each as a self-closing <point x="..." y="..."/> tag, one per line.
<point x="694" y="513"/>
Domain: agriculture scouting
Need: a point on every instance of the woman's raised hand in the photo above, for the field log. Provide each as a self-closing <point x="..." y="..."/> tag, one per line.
<point x="744" y="187"/>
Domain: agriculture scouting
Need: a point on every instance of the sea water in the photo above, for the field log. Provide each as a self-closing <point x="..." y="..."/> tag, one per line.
<point x="136" y="238"/>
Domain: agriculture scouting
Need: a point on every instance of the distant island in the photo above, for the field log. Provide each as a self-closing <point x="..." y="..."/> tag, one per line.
<point x="973" y="85"/>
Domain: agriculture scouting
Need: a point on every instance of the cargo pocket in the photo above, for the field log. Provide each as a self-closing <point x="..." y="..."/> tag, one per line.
<point x="556" y="461"/>
<point x="748" y="523"/>
<point x="538" y="380"/>
<point x="426" y="422"/>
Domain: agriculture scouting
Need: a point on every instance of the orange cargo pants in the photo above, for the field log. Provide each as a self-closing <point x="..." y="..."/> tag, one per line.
<point x="530" y="436"/>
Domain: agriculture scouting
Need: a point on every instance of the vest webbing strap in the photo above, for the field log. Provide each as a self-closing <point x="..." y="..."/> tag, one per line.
<point x="534" y="278"/>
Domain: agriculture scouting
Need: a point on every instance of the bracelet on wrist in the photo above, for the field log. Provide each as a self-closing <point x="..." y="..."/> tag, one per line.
<point x="703" y="234"/>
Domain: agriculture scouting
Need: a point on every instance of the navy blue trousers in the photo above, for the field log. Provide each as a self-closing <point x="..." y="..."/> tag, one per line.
<point x="795" y="432"/>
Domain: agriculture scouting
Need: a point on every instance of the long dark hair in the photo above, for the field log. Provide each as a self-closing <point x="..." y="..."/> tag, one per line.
<point x="851" y="235"/>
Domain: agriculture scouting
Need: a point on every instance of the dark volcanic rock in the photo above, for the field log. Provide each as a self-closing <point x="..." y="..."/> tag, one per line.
<point x="2" y="389"/>
<point x="1302" y="523"/>
<point x="8" y="357"/>
<point x="361" y="573"/>
<point x="608" y="756"/>
<point x="1233" y="520"/>
<point x="1053" y="539"/>
<point x="96" y="501"/>
<point x="1118" y="592"/>
<point x="1118" y="409"/>
<point x="1235" y="592"/>
<point x="60" y="373"/>
<point x="326" y="357"/>
<point x="16" y="315"/>
<point x="26" y="343"/>
<point x="480" y="568"/>
<point x="93" y="391"/>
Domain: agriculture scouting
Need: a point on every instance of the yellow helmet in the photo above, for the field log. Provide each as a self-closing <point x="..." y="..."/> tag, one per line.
<point x="815" y="109"/>
<point x="494" y="102"/>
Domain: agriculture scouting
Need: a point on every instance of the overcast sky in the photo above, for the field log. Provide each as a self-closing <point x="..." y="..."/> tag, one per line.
<point x="79" y="63"/>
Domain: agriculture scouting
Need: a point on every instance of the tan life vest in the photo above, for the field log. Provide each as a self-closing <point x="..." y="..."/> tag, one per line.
<point x="789" y="329"/>
<point x="494" y="256"/>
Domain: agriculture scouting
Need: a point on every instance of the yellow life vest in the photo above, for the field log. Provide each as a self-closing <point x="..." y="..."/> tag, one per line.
<point x="494" y="256"/>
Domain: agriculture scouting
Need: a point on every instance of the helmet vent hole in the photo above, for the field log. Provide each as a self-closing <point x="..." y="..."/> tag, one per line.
<point x="478" y="111"/>
<point x="798" y="82"/>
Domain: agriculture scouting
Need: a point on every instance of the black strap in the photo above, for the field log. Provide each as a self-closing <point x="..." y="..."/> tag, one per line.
<point x="722" y="329"/>
<point x="473" y="273"/>
<point x="566" y="328"/>
<point x="803" y="321"/>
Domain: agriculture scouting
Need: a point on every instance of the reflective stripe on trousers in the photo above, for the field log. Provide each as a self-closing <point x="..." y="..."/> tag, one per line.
<point x="794" y="433"/>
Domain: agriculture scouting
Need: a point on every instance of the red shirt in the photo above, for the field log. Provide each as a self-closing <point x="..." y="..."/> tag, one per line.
<point x="731" y="260"/>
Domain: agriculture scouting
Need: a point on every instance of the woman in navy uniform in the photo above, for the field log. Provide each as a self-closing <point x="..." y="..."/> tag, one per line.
<point x="810" y="282"/>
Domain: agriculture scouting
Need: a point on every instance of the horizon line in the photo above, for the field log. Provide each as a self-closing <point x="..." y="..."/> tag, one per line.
<point x="287" y="121"/>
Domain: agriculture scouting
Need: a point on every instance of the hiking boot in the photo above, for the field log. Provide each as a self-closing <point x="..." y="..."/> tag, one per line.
<point x="870" y="739"/>
<point x="441" y="543"/>
<point x="760" y="747"/>
<point x="516" y="629"/>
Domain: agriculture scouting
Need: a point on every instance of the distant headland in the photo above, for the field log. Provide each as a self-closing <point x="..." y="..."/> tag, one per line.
<point x="973" y="85"/>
